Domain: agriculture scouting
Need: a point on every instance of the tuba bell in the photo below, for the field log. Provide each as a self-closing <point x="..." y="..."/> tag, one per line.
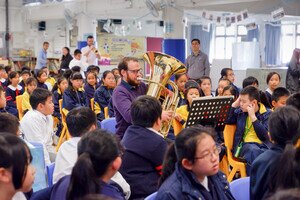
<point x="162" y="67"/>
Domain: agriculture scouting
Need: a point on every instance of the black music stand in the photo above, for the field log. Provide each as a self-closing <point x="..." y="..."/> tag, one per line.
<point x="210" y="111"/>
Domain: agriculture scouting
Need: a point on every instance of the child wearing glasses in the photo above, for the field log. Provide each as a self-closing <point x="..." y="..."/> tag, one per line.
<point x="191" y="168"/>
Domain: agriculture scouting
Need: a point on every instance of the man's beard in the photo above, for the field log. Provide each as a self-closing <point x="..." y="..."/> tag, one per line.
<point x="133" y="82"/>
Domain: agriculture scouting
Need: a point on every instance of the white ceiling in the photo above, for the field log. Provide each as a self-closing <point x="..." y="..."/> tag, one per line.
<point x="121" y="8"/>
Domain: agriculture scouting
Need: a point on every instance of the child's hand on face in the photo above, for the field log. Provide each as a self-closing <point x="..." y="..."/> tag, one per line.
<point x="251" y="112"/>
<point x="236" y="103"/>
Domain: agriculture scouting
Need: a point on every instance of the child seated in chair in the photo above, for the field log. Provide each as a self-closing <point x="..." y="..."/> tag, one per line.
<point x="79" y="122"/>
<point x="251" y="119"/>
<point x="37" y="124"/>
<point x="30" y="86"/>
<point x="191" y="92"/>
<point x="144" y="147"/>
<point x="191" y="168"/>
<point x="74" y="96"/>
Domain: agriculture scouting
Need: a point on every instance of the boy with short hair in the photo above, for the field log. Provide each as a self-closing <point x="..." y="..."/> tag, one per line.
<point x="79" y="121"/>
<point x="78" y="62"/>
<point x="294" y="100"/>
<point x="279" y="97"/>
<point x="144" y="147"/>
<point x="37" y="124"/>
<point x="250" y="80"/>
<point x="9" y="123"/>
<point x="251" y="118"/>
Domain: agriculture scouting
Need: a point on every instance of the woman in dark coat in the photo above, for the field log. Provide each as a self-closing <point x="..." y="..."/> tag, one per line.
<point x="66" y="59"/>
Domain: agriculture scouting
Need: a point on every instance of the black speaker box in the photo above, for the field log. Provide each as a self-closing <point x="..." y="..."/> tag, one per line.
<point x="42" y="26"/>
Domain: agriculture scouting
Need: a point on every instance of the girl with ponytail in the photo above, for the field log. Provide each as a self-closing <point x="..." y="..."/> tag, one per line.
<point x="278" y="167"/>
<point x="98" y="160"/>
<point x="191" y="168"/>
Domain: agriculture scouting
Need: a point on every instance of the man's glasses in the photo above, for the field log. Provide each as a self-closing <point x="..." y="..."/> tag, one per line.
<point x="208" y="156"/>
<point x="136" y="71"/>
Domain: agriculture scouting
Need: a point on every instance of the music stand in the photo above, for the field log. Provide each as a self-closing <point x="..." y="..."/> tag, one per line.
<point x="210" y="111"/>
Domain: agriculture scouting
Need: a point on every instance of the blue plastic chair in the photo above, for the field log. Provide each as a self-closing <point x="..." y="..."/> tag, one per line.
<point x="50" y="170"/>
<point x="151" y="196"/>
<point x="109" y="125"/>
<point x="240" y="188"/>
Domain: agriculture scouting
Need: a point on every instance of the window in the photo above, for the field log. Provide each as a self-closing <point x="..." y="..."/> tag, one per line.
<point x="290" y="39"/>
<point x="225" y="37"/>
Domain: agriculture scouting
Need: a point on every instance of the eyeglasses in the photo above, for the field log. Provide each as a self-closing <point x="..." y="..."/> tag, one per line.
<point x="208" y="156"/>
<point x="136" y="71"/>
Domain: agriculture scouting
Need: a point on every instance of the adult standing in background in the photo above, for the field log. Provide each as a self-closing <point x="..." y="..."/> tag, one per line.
<point x="42" y="58"/>
<point x="197" y="63"/>
<point x="293" y="73"/>
<point x="66" y="59"/>
<point x="90" y="53"/>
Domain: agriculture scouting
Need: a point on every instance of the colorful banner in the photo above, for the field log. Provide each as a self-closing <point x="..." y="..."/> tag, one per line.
<point x="113" y="48"/>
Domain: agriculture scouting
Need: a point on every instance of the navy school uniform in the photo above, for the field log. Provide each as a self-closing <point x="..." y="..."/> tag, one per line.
<point x="89" y="92"/>
<point x="42" y="85"/>
<point x="74" y="98"/>
<point x="183" y="184"/>
<point x="57" y="95"/>
<point x="101" y="98"/>
<point x="59" y="190"/>
<point x="11" y="93"/>
<point x="4" y="83"/>
<point x="22" y="84"/>
<point x="142" y="160"/>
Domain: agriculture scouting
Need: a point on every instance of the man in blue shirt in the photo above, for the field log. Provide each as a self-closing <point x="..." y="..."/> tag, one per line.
<point x="42" y="58"/>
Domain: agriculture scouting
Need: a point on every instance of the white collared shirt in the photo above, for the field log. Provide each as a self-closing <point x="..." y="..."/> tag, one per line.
<point x="204" y="183"/>
<point x="65" y="159"/>
<point x="38" y="127"/>
<point x="91" y="59"/>
<point x="155" y="131"/>
<point x="19" y="87"/>
<point x="79" y="63"/>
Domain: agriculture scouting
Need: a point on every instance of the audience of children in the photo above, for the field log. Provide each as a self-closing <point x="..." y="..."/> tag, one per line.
<point x="90" y="86"/>
<point x="58" y="90"/>
<point x="279" y="97"/>
<point x="191" y="168"/>
<point x="221" y="85"/>
<point x="98" y="160"/>
<point x="12" y="91"/>
<point x="191" y="92"/>
<point x="41" y="77"/>
<point x="16" y="172"/>
<point x="103" y="94"/>
<point x="144" y="147"/>
<point x="230" y="91"/>
<point x="30" y="86"/>
<point x="25" y="74"/>
<point x="74" y="96"/>
<point x="267" y="173"/>
<point x="273" y="81"/>
<point x="37" y="124"/>
<point x="251" y="119"/>
<point x="228" y="73"/>
<point x="193" y="174"/>
<point x="79" y="121"/>
<point x="205" y="86"/>
<point x="180" y="80"/>
<point x="250" y="80"/>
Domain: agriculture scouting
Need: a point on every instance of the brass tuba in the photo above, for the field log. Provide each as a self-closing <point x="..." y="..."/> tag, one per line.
<point x="162" y="67"/>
